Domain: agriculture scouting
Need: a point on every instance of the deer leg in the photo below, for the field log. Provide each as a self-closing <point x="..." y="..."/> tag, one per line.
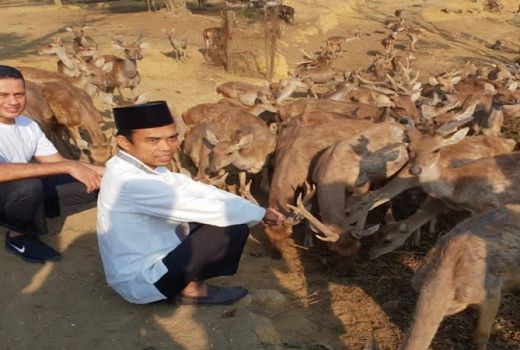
<point x="488" y="312"/>
<point x="413" y="41"/>
<point x="242" y="178"/>
<point x="265" y="184"/>
<point x="76" y="137"/>
<point x="358" y="212"/>
<point x="432" y="226"/>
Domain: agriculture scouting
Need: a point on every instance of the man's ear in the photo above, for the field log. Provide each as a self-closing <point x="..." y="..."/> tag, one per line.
<point x="123" y="142"/>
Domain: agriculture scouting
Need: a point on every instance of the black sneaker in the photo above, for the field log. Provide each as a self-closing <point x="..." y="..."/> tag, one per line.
<point x="30" y="248"/>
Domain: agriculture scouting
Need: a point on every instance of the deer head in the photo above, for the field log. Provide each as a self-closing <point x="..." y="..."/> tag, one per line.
<point x="226" y="152"/>
<point x="424" y="149"/>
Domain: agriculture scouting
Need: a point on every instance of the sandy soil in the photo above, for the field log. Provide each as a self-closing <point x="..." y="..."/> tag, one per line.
<point x="295" y="302"/>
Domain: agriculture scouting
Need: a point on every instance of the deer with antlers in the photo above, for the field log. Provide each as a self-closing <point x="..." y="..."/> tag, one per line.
<point x="471" y="264"/>
<point x="352" y="166"/>
<point x="299" y="143"/>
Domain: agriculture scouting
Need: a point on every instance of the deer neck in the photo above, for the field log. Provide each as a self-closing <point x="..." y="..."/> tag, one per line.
<point x="432" y="306"/>
<point x="67" y="61"/>
<point x="130" y="66"/>
<point x="436" y="180"/>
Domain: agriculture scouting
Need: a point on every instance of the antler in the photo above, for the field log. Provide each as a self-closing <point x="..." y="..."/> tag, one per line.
<point x="459" y="120"/>
<point x="299" y="209"/>
<point x="293" y="218"/>
<point x="246" y="193"/>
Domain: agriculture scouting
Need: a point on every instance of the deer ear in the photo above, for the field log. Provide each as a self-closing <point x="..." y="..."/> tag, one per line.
<point x="143" y="46"/>
<point x="107" y="67"/>
<point x="456" y="137"/>
<point x="433" y="81"/>
<point x="245" y="141"/>
<point x="211" y="137"/>
<point x="455" y="80"/>
<point x="99" y="62"/>
<point x="490" y="89"/>
<point x="118" y="44"/>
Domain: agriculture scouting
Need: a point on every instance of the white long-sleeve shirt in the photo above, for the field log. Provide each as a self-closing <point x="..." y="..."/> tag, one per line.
<point x="139" y="212"/>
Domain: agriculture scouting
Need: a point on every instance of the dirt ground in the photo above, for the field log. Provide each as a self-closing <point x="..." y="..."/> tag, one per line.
<point x="296" y="302"/>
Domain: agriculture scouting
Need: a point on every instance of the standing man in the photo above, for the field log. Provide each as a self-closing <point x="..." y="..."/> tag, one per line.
<point x="35" y="180"/>
<point x="161" y="234"/>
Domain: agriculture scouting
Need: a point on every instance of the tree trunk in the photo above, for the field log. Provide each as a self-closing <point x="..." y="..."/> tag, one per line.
<point x="179" y="6"/>
<point x="58" y="3"/>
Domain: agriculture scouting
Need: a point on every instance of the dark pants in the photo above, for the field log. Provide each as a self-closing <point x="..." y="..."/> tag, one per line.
<point x="208" y="251"/>
<point x="24" y="204"/>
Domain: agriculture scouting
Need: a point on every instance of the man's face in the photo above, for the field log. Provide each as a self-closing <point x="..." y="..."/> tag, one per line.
<point x="154" y="147"/>
<point x="12" y="99"/>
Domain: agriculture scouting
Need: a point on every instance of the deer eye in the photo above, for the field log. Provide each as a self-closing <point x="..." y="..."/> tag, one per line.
<point x="437" y="150"/>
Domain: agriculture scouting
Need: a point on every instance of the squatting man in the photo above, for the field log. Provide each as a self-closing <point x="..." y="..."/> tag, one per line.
<point x="162" y="234"/>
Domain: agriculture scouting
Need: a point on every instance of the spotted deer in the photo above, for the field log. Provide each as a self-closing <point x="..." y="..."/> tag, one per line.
<point x="124" y="72"/>
<point x="90" y="76"/>
<point x="179" y="45"/>
<point x="472" y="264"/>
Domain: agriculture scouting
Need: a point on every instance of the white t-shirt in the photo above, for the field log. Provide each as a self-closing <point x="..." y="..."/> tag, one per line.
<point x="23" y="140"/>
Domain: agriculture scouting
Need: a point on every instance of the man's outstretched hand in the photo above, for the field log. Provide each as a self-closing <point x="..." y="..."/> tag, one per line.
<point x="273" y="217"/>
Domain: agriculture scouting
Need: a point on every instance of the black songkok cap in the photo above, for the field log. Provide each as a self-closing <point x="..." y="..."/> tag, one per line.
<point x="142" y="116"/>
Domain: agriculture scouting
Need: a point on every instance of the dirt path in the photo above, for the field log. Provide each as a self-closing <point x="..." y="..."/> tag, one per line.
<point x="296" y="302"/>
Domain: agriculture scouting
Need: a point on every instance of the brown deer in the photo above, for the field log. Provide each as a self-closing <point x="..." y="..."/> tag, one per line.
<point x="414" y="34"/>
<point x="484" y="184"/>
<point x="90" y="76"/>
<point x="124" y="72"/>
<point x="305" y="79"/>
<point x="180" y="46"/>
<point x="394" y="235"/>
<point x="351" y="110"/>
<point x="472" y="264"/>
<point x="333" y="43"/>
<point x="67" y="62"/>
<point x="298" y="144"/>
<point x="352" y="166"/>
<point x="82" y="45"/>
<point x="388" y="44"/>
<point x="72" y="109"/>
<point x="214" y="37"/>
<point x="235" y="138"/>
<point x="246" y="94"/>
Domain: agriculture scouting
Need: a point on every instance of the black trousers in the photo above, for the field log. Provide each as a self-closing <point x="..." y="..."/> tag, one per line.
<point x="24" y="204"/>
<point x="208" y="251"/>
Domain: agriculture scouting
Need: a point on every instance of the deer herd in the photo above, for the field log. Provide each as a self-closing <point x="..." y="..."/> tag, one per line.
<point x="357" y="141"/>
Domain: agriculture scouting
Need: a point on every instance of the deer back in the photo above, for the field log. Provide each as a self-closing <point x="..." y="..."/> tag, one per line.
<point x="468" y="265"/>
